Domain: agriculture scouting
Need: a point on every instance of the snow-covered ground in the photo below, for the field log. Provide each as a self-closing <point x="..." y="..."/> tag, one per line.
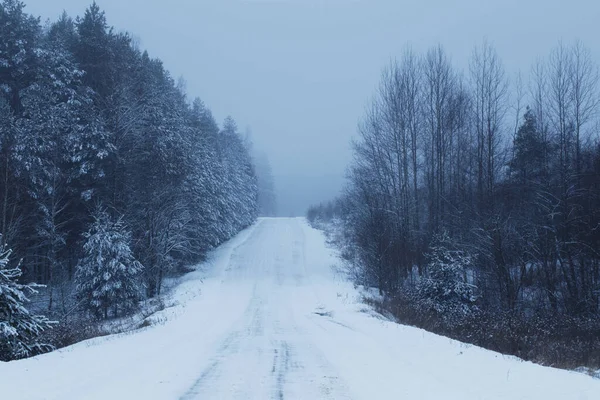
<point x="269" y="318"/>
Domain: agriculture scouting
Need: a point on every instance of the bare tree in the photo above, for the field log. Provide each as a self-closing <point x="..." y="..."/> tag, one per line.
<point x="583" y="77"/>
<point x="489" y="89"/>
<point x="439" y="81"/>
<point x="538" y="90"/>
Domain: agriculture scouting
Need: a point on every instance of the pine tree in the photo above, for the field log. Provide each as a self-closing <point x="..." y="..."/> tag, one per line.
<point x="202" y="183"/>
<point x="240" y="190"/>
<point x="527" y="164"/>
<point x="158" y="169"/>
<point x="59" y="150"/>
<point x="19" y="35"/>
<point x="108" y="277"/>
<point x="447" y="290"/>
<point x="19" y="329"/>
<point x="18" y="50"/>
<point x="93" y="51"/>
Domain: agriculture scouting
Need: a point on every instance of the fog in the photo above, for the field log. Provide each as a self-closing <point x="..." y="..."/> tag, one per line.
<point x="299" y="73"/>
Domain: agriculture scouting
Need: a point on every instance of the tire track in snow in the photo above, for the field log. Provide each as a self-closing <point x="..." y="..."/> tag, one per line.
<point x="229" y="346"/>
<point x="267" y="354"/>
<point x="281" y="366"/>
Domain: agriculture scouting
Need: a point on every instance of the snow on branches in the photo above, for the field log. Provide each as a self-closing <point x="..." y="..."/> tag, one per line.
<point x="108" y="276"/>
<point x="19" y="329"/>
<point x="447" y="289"/>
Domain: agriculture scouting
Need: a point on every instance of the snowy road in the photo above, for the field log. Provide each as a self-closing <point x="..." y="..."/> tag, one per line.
<point x="268" y="318"/>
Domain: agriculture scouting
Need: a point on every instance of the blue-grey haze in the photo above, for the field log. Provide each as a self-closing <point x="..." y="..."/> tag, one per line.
<point x="300" y="72"/>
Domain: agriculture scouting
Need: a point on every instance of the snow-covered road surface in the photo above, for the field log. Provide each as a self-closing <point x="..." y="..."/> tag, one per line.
<point x="268" y="318"/>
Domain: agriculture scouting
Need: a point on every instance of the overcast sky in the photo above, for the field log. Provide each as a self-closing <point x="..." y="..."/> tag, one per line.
<point x="299" y="73"/>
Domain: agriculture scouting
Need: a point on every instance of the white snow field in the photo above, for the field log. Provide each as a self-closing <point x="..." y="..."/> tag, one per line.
<point x="268" y="318"/>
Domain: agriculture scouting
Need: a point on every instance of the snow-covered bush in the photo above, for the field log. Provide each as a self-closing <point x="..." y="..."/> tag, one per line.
<point x="108" y="277"/>
<point x="446" y="289"/>
<point x="19" y="329"/>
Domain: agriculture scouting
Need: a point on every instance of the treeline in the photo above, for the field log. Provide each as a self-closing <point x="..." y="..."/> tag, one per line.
<point x="109" y="177"/>
<point x="267" y="199"/>
<point x="325" y="211"/>
<point x="473" y="201"/>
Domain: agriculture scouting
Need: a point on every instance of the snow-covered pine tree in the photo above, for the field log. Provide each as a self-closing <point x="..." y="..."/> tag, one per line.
<point x="19" y="329"/>
<point x="446" y="288"/>
<point x="108" y="277"/>
<point x="203" y="185"/>
<point x="240" y="184"/>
